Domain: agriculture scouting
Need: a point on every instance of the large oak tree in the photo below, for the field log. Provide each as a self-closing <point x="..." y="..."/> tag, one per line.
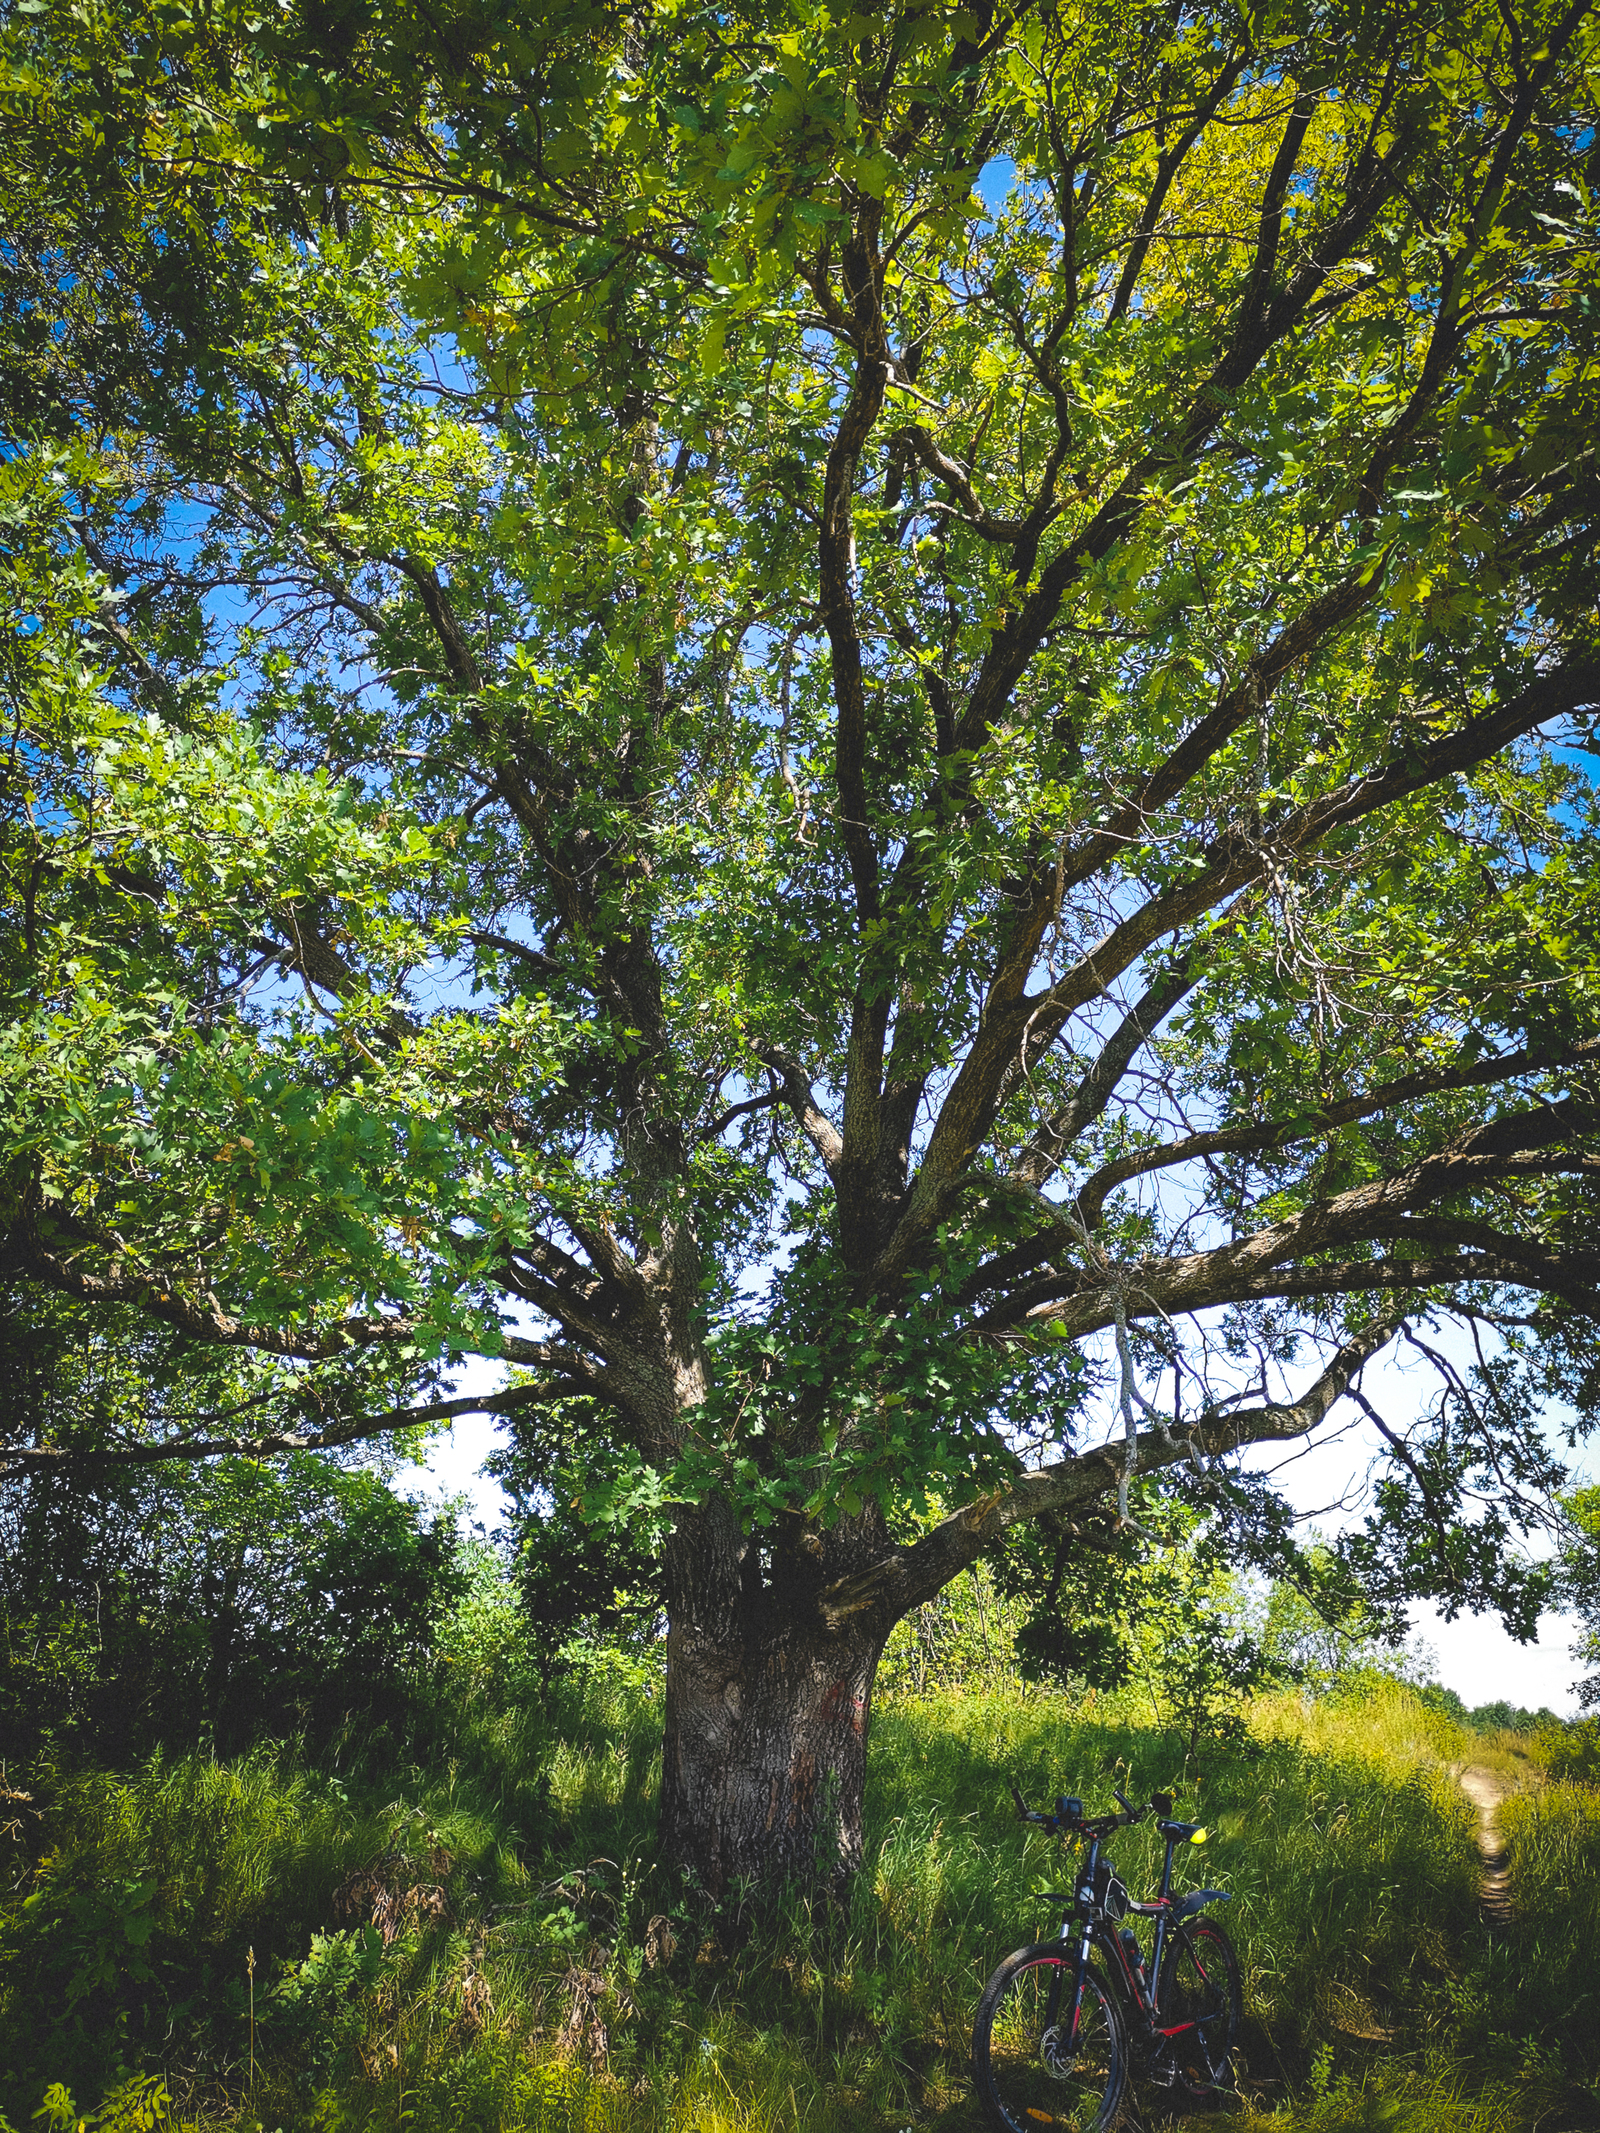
<point x="858" y="732"/>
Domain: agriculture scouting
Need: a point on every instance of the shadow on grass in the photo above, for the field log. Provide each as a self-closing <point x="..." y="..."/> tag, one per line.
<point x="458" y="1923"/>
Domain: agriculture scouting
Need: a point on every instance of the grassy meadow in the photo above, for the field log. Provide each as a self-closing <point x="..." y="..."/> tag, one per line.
<point x="452" y="1924"/>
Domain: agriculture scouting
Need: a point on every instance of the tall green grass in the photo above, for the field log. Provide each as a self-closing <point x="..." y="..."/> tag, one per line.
<point x="145" y="1894"/>
<point x="1550" y="1984"/>
<point x="463" y="1927"/>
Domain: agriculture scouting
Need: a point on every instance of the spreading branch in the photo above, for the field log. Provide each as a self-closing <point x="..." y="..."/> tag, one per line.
<point x="913" y="1574"/>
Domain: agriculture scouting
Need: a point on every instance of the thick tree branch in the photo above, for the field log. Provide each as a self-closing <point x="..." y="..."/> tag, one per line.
<point x="836" y="561"/>
<point x="958" y="481"/>
<point x="817" y="1127"/>
<point x="1261" y="1264"/>
<point x="1240" y="855"/>
<point x="544" y="966"/>
<point x="836" y="558"/>
<point x="1265" y="1139"/>
<point x="160" y="1296"/>
<point x="719" y="1125"/>
<point x="913" y="1574"/>
<point x="1510" y="1266"/>
<point x="183" y="1449"/>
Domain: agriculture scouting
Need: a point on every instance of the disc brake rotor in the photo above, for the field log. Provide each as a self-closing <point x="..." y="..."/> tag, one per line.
<point x="1059" y="2058"/>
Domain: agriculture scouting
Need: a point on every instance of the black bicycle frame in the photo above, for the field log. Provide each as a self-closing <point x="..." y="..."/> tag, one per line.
<point x="1142" y="1995"/>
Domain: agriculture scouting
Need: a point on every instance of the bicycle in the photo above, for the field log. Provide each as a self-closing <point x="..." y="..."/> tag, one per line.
<point x="1051" y="2043"/>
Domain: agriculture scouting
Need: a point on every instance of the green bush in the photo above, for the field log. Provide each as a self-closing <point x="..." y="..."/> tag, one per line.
<point x="147" y="1893"/>
<point x="137" y="2105"/>
<point x="1570" y="1750"/>
<point x="222" y="1605"/>
<point x="1552" y="1839"/>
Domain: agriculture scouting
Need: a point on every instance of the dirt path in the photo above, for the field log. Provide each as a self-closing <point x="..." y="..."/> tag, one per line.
<point x="1486" y="1790"/>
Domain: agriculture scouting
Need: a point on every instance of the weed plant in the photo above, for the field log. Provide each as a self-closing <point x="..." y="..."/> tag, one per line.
<point x="1570" y="1751"/>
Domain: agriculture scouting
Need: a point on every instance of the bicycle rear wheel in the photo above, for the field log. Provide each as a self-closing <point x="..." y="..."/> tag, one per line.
<point x="1199" y="1989"/>
<point x="1029" y="2072"/>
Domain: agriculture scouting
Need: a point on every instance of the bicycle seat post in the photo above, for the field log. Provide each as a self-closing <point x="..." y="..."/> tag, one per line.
<point x="1166" y="1867"/>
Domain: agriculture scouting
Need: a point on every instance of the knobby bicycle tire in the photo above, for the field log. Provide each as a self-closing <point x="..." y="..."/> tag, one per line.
<point x="1026" y="2081"/>
<point x="1200" y="1984"/>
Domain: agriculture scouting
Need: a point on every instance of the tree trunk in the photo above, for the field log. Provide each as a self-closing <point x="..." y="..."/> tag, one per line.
<point x="764" y="1759"/>
<point x="764" y="1762"/>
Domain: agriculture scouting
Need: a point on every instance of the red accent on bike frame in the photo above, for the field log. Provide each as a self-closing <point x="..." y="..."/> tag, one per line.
<point x="1060" y="1962"/>
<point x="1142" y="1996"/>
<point x="1195" y="2024"/>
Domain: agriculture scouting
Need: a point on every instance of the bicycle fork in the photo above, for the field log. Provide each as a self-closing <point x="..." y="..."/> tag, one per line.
<point x="1080" y="1970"/>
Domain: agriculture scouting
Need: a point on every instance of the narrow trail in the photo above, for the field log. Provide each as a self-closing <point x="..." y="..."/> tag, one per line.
<point x="1486" y="1790"/>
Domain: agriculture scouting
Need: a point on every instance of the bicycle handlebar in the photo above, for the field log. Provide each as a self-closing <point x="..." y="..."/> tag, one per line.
<point x="1069" y="1819"/>
<point x="1025" y="1813"/>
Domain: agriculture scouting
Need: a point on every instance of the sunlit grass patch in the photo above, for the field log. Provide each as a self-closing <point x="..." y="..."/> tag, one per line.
<point x="1434" y="2097"/>
<point x="473" y="1934"/>
<point x="1552" y="1840"/>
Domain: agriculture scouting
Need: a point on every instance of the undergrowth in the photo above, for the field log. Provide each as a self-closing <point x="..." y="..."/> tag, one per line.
<point x="455" y="1925"/>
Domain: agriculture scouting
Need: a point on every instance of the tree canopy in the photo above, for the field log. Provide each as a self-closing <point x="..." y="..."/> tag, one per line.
<point x="856" y="733"/>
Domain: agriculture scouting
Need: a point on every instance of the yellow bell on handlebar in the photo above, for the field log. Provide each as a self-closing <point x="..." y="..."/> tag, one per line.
<point x="1200" y="1836"/>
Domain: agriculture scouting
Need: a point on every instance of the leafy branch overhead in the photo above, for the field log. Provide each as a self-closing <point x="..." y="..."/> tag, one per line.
<point x="831" y="729"/>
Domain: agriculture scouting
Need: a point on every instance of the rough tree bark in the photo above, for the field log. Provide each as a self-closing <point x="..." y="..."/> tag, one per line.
<point x="764" y="1757"/>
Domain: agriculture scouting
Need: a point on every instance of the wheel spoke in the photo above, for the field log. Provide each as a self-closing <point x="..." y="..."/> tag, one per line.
<point x="1199" y="1999"/>
<point x="1032" y="2071"/>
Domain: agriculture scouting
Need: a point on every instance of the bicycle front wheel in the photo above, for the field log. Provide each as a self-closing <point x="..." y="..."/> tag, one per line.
<point x="1030" y="2071"/>
<point x="1199" y="1998"/>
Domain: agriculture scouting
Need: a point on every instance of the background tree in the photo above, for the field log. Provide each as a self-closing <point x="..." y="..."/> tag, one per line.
<point x="1580" y="1587"/>
<point x="1175" y="1617"/>
<point x="169" y="1604"/>
<point x="845" y="731"/>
